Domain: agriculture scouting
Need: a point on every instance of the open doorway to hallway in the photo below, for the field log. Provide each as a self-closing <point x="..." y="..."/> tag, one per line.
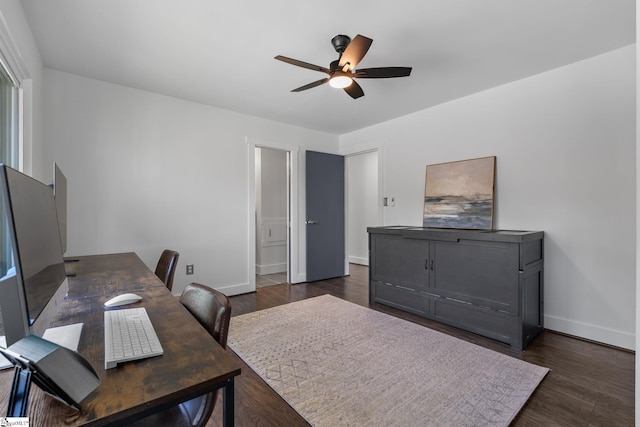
<point x="363" y="195"/>
<point x="272" y="205"/>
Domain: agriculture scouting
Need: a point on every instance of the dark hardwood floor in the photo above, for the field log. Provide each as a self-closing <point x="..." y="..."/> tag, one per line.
<point x="588" y="385"/>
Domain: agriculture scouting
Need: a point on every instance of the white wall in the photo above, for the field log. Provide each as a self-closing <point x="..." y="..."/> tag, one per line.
<point x="565" y="147"/>
<point x="362" y="204"/>
<point x="147" y="171"/>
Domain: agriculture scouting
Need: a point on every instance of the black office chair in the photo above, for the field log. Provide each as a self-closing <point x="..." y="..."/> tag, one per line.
<point x="166" y="267"/>
<point x="213" y="310"/>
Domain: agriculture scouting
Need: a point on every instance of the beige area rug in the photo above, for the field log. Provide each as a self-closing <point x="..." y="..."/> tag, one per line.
<point x="341" y="364"/>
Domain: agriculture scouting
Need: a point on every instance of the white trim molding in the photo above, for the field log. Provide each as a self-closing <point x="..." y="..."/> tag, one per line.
<point x="10" y="55"/>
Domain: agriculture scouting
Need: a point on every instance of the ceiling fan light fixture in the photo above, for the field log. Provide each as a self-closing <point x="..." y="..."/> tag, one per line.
<point x="340" y="80"/>
<point x="341" y="72"/>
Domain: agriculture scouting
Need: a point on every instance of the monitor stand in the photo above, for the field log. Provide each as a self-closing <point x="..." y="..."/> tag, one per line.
<point x="65" y="336"/>
<point x="58" y="371"/>
<point x="19" y="397"/>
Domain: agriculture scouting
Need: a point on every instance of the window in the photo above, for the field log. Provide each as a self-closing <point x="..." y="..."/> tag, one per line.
<point x="9" y="118"/>
<point x="9" y="146"/>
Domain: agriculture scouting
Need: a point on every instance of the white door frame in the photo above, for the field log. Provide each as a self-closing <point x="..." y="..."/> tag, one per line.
<point x="293" y="232"/>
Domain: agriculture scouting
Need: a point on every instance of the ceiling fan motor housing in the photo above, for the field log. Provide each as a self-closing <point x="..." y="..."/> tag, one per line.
<point x="340" y="42"/>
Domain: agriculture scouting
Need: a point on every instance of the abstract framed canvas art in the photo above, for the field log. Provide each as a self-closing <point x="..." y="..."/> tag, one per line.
<point x="460" y="194"/>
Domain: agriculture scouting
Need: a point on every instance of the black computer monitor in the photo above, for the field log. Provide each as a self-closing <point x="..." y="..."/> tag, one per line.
<point x="30" y="291"/>
<point x="60" y="195"/>
<point x="30" y="294"/>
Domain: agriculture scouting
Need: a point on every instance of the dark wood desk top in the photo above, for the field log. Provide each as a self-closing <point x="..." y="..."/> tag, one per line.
<point x="108" y="275"/>
<point x="192" y="364"/>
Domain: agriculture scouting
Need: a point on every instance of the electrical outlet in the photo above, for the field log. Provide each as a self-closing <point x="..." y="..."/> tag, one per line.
<point x="189" y="268"/>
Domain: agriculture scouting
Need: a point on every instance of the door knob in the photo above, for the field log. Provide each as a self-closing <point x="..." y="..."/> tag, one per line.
<point x="311" y="222"/>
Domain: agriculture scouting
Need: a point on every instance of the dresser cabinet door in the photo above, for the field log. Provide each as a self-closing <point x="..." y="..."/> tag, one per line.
<point x="484" y="274"/>
<point x="400" y="261"/>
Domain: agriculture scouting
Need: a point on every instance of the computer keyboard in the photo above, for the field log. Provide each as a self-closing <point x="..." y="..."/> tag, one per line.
<point x="128" y="335"/>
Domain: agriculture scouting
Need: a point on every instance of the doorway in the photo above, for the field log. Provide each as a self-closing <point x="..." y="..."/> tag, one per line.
<point x="272" y="213"/>
<point x="351" y="184"/>
<point x="292" y="227"/>
<point x="363" y="203"/>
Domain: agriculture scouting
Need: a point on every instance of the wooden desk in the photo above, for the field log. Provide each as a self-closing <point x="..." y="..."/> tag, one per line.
<point x="193" y="363"/>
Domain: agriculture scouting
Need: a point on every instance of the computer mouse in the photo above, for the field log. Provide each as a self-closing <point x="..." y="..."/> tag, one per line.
<point x="122" y="299"/>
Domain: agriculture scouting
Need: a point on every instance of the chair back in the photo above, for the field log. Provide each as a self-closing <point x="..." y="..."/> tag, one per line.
<point x="211" y="308"/>
<point x="166" y="267"/>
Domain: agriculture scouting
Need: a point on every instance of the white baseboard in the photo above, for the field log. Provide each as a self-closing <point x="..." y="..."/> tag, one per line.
<point x="358" y="260"/>
<point x="271" y="268"/>
<point x="236" y="289"/>
<point x="613" y="337"/>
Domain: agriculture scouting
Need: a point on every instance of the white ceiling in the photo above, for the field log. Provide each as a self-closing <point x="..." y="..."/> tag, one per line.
<point x="221" y="53"/>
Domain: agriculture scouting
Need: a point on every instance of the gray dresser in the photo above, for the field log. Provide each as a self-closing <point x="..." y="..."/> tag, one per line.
<point x="486" y="282"/>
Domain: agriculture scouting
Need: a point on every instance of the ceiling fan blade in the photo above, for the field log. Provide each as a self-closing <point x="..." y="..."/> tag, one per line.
<point x="302" y="64"/>
<point x="310" y="85"/>
<point x="354" y="90"/>
<point x="382" y="72"/>
<point x="354" y="53"/>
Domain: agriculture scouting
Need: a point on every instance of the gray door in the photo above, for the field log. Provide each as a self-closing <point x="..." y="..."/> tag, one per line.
<point x="325" y="215"/>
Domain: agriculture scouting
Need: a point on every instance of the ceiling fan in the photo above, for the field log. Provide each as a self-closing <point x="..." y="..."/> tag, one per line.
<point x="342" y="72"/>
